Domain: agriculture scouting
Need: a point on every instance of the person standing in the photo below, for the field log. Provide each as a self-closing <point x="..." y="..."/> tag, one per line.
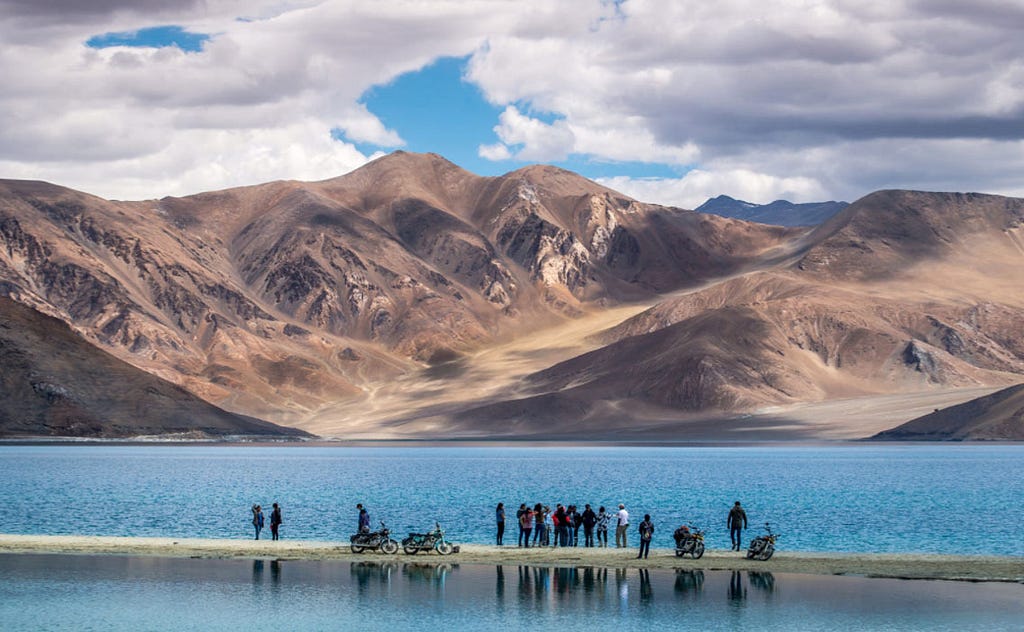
<point x="257" y="519"/>
<point x="275" y="522"/>
<point x="622" y="526"/>
<point x="737" y="521"/>
<point x="364" y="519"/>
<point x="589" y="520"/>
<point x="526" y="523"/>
<point x="499" y="515"/>
<point x="519" y="521"/>
<point x="646" y="530"/>
<point x="538" y="525"/>
<point x="561" y="521"/>
<point x="603" y="518"/>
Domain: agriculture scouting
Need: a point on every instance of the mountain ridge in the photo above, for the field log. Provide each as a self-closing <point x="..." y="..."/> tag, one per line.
<point x="386" y="294"/>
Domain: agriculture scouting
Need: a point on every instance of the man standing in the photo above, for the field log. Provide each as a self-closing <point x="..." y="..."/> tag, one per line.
<point x="589" y="520"/>
<point x="275" y="521"/>
<point x="646" y="533"/>
<point x="736" y="522"/>
<point x="623" y="526"/>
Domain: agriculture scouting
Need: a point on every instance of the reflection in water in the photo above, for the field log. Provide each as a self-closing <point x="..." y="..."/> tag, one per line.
<point x="392" y="595"/>
<point x="737" y="591"/>
<point x="646" y="592"/>
<point x="762" y="581"/>
<point x="427" y="573"/>
<point x="689" y="583"/>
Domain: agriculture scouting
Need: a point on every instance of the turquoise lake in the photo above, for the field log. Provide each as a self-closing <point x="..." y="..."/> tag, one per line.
<point x="949" y="498"/>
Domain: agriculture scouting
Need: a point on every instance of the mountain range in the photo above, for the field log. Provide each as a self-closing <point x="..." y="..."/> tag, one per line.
<point x="413" y="299"/>
<point x="779" y="212"/>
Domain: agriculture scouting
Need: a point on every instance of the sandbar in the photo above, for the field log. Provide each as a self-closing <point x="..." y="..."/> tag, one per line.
<point x="893" y="565"/>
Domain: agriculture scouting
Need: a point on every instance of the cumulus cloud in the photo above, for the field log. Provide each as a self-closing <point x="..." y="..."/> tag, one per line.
<point x="758" y="99"/>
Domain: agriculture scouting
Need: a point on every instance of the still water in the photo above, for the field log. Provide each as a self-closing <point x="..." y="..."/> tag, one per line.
<point x="963" y="499"/>
<point x="42" y="592"/>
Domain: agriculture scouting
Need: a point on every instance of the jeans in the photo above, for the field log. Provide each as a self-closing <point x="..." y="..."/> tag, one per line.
<point x="501" y="532"/>
<point x="521" y="532"/>
<point x="539" y="535"/>
<point x="736" y="535"/>
<point x="588" y="535"/>
<point x="273" y="531"/>
<point x="602" y="537"/>
<point x="258" y="529"/>
<point x="526" y="539"/>
<point x="645" y="548"/>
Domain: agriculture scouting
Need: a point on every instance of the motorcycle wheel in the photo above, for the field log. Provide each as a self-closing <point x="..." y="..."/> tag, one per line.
<point x="410" y="549"/>
<point x="445" y="548"/>
<point x="357" y="549"/>
<point x="751" y="552"/>
<point x="389" y="546"/>
<point x="769" y="550"/>
<point x="698" y="550"/>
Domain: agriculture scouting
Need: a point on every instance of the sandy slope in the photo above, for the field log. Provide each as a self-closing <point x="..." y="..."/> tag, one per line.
<point x="916" y="566"/>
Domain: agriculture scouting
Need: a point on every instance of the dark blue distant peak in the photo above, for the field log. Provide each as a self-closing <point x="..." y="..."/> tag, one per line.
<point x="779" y="212"/>
<point x="152" y="37"/>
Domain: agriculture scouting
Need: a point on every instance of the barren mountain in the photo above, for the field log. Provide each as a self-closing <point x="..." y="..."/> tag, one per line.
<point x="995" y="417"/>
<point x="411" y="298"/>
<point x="280" y="299"/>
<point x="903" y="292"/>
<point x="54" y="383"/>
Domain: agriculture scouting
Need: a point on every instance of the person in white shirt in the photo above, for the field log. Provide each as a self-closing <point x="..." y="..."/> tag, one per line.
<point x="623" y="526"/>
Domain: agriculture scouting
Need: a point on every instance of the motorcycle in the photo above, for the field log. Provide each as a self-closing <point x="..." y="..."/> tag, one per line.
<point x="431" y="540"/>
<point x="375" y="540"/>
<point x="689" y="542"/>
<point x="763" y="546"/>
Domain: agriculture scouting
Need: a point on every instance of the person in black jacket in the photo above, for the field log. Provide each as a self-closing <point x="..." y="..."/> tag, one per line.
<point x="646" y="529"/>
<point x="275" y="521"/>
<point x="589" y="520"/>
<point x="737" y="521"/>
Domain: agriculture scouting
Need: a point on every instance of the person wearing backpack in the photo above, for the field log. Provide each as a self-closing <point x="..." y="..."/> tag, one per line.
<point x="646" y="530"/>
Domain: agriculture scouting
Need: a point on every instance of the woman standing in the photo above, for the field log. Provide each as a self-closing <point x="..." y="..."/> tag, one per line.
<point x="526" y="522"/>
<point x="499" y="515"/>
<point x="603" y="518"/>
<point x="257" y="519"/>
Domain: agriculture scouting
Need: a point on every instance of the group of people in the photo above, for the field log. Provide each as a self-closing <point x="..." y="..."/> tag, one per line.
<point x="562" y="526"/>
<point x="275" y="520"/>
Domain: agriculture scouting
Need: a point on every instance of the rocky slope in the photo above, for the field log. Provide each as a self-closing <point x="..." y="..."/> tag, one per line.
<point x="54" y="383"/>
<point x="996" y="417"/>
<point x="278" y="299"/>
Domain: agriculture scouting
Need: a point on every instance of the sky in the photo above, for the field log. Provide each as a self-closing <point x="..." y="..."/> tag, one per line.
<point x="670" y="101"/>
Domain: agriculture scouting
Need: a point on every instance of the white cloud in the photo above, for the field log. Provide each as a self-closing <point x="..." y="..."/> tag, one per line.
<point x="830" y="98"/>
<point x="694" y="188"/>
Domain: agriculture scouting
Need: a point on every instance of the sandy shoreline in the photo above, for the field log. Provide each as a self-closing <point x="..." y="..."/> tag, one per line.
<point x="908" y="566"/>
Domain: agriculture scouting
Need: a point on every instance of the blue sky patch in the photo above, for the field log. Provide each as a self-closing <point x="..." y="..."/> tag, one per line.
<point x="152" y="37"/>
<point x="435" y="110"/>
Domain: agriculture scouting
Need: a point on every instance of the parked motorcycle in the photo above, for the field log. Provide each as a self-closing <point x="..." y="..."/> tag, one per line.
<point x="689" y="541"/>
<point x="375" y="541"/>
<point x="763" y="546"/>
<point x="431" y="540"/>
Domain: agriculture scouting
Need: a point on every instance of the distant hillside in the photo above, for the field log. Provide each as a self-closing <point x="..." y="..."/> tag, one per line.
<point x="54" y="383"/>
<point x="996" y="417"/>
<point x="778" y="213"/>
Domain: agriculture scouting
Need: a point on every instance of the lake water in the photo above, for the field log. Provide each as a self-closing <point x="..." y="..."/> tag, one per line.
<point x="127" y="593"/>
<point x="891" y="498"/>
